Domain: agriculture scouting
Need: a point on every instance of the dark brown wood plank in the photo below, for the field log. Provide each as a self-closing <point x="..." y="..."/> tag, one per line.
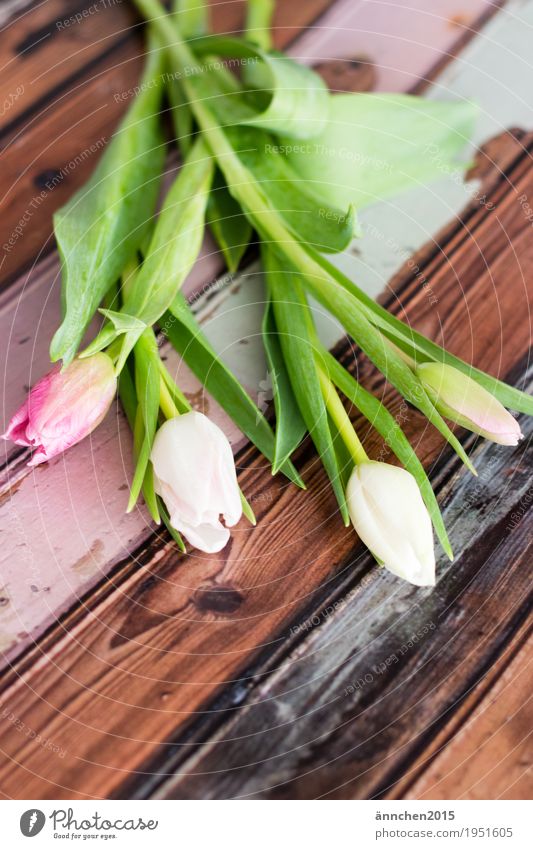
<point x="485" y="750"/>
<point x="42" y="166"/>
<point x="111" y="685"/>
<point x="46" y="49"/>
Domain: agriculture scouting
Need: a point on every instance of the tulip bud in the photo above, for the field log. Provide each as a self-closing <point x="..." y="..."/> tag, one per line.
<point x="64" y="407"/>
<point x="464" y="401"/>
<point x="194" y="473"/>
<point x="389" y="515"/>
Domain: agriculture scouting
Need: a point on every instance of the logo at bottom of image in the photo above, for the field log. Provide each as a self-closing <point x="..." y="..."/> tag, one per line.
<point x="66" y="825"/>
<point x="32" y="822"/>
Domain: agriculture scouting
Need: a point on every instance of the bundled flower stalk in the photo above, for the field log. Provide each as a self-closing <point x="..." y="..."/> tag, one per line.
<point x="246" y="169"/>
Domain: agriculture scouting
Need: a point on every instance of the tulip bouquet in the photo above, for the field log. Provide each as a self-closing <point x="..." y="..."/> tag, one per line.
<point x="261" y="159"/>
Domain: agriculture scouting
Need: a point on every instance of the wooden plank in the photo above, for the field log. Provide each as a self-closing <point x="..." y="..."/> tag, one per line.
<point x="196" y="623"/>
<point x="43" y="166"/>
<point x="396" y="39"/>
<point x="102" y="536"/>
<point x="484" y="751"/>
<point x="47" y="49"/>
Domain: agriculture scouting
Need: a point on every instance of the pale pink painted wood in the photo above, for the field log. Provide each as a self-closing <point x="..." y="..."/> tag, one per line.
<point x="63" y="525"/>
<point x="403" y="38"/>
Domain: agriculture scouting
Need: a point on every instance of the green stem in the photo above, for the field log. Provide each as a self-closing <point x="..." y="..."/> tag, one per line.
<point x="341" y="419"/>
<point x="398" y="351"/>
<point x="175" y="392"/>
<point x="128" y="276"/>
<point x="193" y="16"/>
<point x="166" y="403"/>
<point x="258" y="21"/>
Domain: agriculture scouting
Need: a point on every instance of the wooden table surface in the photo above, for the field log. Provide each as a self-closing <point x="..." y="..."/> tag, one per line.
<point x="288" y="665"/>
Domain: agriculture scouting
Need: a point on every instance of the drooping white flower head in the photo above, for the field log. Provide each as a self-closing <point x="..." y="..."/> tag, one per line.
<point x="462" y="400"/>
<point x="194" y="473"/>
<point x="391" y="518"/>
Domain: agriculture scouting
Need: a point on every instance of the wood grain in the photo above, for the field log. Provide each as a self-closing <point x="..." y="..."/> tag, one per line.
<point x="484" y="751"/>
<point x="165" y="634"/>
<point x="45" y="52"/>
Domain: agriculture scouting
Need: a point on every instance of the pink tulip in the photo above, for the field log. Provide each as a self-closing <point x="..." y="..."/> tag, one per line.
<point x="461" y="399"/>
<point x="64" y="407"/>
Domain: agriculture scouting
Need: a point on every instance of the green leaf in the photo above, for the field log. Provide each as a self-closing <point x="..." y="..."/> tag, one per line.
<point x="139" y="452"/>
<point x="292" y="320"/>
<point x="123" y="323"/>
<point x="229" y="225"/>
<point x="106" y="336"/>
<point x="149" y="494"/>
<point x="100" y="228"/>
<point x="422" y="349"/>
<point x="290" y="427"/>
<point x="182" y="119"/>
<point x="377" y="144"/>
<point x="284" y="97"/>
<point x="174" y="247"/>
<point x="380" y="418"/>
<point x="192" y="17"/>
<point x="166" y="521"/>
<point x="324" y="225"/>
<point x="147" y="382"/>
<point x="128" y="398"/>
<point x="247" y="510"/>
<point x="186" y="336"/>
<point x="341" y="303"/>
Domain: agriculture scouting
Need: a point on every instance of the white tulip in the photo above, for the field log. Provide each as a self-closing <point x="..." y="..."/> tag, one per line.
<point x="194" y="473"/>
<point x="389" y="515"/>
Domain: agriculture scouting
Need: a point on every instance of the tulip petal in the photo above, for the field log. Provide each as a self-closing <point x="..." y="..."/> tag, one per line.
<point x="194" y="473"/>
<point x="207" y="537"/>
<point x="16" y="429"/>
<point x="462" y="400"/>
<point x="389" y="515"/>
<point x="64" y="407"/>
